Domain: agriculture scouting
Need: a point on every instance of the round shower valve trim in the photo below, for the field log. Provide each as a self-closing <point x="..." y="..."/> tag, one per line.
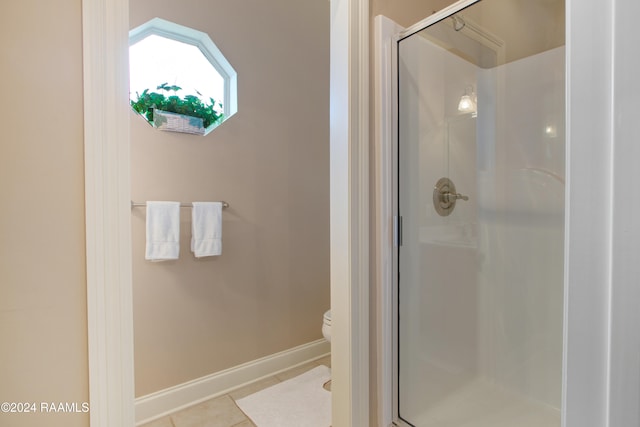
<point x="445" y="196"/>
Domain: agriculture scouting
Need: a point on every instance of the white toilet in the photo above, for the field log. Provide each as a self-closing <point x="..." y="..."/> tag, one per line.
<point x="326" y="325"/>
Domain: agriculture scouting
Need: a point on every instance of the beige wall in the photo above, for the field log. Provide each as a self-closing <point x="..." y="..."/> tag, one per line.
<point x="270" y="161"/>
<point x="503" y="18"/>
<point x="518" y="23"/>
<point x="407" y="12"/>
<point x="43" y="324"/>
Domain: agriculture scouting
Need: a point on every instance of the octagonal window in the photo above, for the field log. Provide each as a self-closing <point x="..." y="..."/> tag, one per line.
<point x="179" y="79"/>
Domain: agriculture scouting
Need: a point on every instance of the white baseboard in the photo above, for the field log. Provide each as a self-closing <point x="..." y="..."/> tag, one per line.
<point x="164" y="402"/>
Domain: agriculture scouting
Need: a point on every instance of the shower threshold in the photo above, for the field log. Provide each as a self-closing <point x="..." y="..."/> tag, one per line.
<point x="481" y="403"/>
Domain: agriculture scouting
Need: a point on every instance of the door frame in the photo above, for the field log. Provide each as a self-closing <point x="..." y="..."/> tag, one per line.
<point x="107" y="208"/>
<point x="105" y="26"/>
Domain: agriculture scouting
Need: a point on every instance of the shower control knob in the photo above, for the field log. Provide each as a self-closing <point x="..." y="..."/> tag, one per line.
<point x="445" y="197"/>
<point x="452" y="197"/>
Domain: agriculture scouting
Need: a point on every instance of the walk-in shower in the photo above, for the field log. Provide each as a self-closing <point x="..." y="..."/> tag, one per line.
<point x="479" y="214"/>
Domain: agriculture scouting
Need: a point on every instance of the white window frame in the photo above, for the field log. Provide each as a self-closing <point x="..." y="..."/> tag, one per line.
<point x="202" y="41"/>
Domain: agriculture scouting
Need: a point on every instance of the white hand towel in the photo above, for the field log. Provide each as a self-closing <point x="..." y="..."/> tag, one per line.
<point x="206" y="229"/>
<point x="163" y="231"/>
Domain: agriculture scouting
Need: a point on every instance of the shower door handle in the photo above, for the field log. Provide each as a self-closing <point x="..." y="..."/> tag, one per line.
<point x="397" y="231"/>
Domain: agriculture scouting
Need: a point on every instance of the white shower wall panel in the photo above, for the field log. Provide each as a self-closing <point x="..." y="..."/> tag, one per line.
<point x="490" y="302"/>
<point x="521" y="219"/>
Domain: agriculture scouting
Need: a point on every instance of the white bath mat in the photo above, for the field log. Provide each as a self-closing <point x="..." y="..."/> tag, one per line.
<point x="298" y="402"/>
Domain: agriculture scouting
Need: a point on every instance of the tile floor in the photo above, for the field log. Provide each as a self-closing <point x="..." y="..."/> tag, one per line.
<point x="222" y="410"/>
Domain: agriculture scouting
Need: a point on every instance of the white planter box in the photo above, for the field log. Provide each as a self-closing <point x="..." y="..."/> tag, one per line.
<point x="174" y="122"/>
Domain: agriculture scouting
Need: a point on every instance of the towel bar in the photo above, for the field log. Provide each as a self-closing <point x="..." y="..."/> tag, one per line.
<point x="182" y="205"/>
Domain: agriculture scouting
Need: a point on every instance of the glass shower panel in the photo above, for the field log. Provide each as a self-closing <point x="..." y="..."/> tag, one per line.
<point x="480" y="267"/>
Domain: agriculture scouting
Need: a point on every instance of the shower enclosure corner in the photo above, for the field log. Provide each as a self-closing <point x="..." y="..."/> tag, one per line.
<point x="479" y="202"/>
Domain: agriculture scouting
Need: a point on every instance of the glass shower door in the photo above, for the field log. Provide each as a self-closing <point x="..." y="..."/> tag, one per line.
<point x="480" y="190"/>
<point x="438" y="256"/>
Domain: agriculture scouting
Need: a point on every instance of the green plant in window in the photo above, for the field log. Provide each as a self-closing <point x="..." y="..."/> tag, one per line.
<point x="189" y="105"/>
